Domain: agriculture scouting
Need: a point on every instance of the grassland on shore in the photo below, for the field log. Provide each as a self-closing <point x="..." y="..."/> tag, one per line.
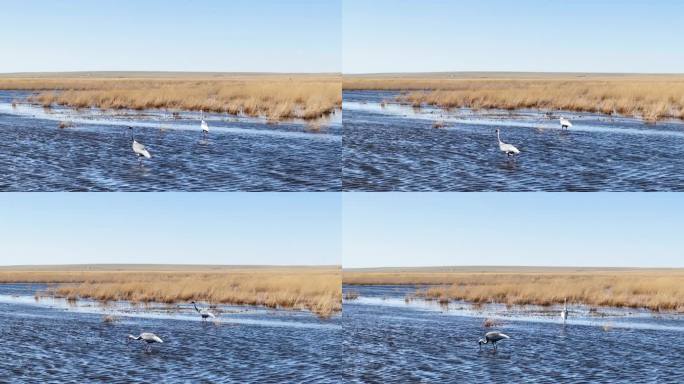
<point x="274" y="96"/>
<point x="650" y="97"/>
<point x="317" y="289"/>
<point x="655" y="289"/>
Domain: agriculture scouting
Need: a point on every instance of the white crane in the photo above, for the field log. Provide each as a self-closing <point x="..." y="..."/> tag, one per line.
<point x="492" y="338"/>
<point x="564" y="312"/>
<point x="565" y="123"/>
<point x="203" y="312"/>
<point x="203" y="124"/>
<point x="148" y="338"/>
<point x="140" y="151"/>
<point x="508" y="149"/>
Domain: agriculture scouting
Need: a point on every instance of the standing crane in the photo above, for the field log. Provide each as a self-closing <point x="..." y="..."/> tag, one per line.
<point x="149" y="338"/>
<point x="565" y="123"/>
<point x="564" y="312"/>
<point x="203" y="124"/>
<point x="203" y="312"/>
<point x="508" y="149"/>
<point x="492" y="338"/>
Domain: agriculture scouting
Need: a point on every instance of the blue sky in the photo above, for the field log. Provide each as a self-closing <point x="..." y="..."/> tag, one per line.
<point x="170" y="228"/>
<point x="171" y="35"/>
<point x="543" y="229"/>
<point x="520" y="35"/>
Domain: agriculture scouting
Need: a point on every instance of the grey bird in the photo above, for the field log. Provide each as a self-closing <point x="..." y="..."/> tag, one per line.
<point x="148" y="338"/>
<point x="492" y="338"/>
<point x="203" y="312"/>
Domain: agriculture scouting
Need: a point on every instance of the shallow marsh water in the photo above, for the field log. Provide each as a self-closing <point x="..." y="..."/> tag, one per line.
<point x="394" y="147"/>
<point x="386" y="339"/>
<point x="51" y="340"/>
<point x="94" y="154"/>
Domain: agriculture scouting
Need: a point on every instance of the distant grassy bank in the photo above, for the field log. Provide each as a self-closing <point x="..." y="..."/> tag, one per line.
<point x="274" y="96"/>
<point x="650" y="97"/>
<point x="317" y="289"/>
<point x="655" y="289"/>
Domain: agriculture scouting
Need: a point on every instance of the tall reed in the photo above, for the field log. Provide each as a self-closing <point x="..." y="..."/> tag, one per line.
<point x="661" y="289"/>
<point x="276" y="97"/>
<point x="650" y="97"/>
<point x="314" y="289"/>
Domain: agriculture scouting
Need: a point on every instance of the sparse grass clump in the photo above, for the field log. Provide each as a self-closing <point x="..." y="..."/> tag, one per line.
<point x="275" y="97"/>
<point x="489" y="323"/>
<point x="351" y="295"/>
<point x="317" y="289"/>
<point x="650" y="97"/>
<point x="658" y="290"/>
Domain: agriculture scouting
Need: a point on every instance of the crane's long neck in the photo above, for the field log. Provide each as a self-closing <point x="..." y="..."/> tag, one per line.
<point x="196" y="309"/>
<point x="133" y="337"/>
<point x="497" y="137"/>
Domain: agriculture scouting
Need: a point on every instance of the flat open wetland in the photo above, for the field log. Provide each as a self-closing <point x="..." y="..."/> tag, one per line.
<point x="420" y="323"/>
<point x="265" y="322"/>
<point x="437" y="132"/>
<point x="74" y="132"/>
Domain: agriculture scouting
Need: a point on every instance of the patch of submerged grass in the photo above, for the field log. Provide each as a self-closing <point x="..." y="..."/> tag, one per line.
<point x="658" y="290"/>
<point x="351" y="295"/>
<point x="439" y="124"/>
<point x="650" y="97"/>
<point x="315" y="289"/>
<point x="275" y="97"/>
<point x="490" y="323"/>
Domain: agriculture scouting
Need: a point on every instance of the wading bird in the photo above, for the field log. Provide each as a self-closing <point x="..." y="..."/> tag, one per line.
<point x="564" y="312"/>
<point x="508" y="149"/>
<point x="203" y="312"/>
<point x="565" y="123"/>
<point x="148" y="338"/>
<point x="204" y="125"/>
<point x="140" y="150"/>
<point x="492" y="338"/>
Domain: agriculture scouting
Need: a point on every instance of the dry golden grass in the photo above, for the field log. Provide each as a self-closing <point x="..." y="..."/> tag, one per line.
<point x="651" y="97"/>
<point x="655" y="289"/>
<point x="276" y="97"/>
<point x="317" y="289"/>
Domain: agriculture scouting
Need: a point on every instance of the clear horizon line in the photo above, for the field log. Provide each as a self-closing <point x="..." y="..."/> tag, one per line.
<point x="507" y="266"/>
<point x="515" y="72"/>
<point x="164" y="264"/>
<point x="171" y="72"/>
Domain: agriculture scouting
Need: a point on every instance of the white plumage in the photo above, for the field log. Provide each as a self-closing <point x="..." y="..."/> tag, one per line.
<point x="508" y="149"/>
<point x="148" y="338"/>
<point x="565" y="123"/>
<point x="203" y="124"/>
<point x="203" y="312"/>
<point x="492" y="338"/>
<point x="140" y="150"/>
<point x="564" y="312"/>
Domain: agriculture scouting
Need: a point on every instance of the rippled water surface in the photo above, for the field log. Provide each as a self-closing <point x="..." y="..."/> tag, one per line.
<point x="389" y="340"/>
<point x="239" y="153"/>
<point x="51" y="341"/>
<point x="395" y="147"/>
